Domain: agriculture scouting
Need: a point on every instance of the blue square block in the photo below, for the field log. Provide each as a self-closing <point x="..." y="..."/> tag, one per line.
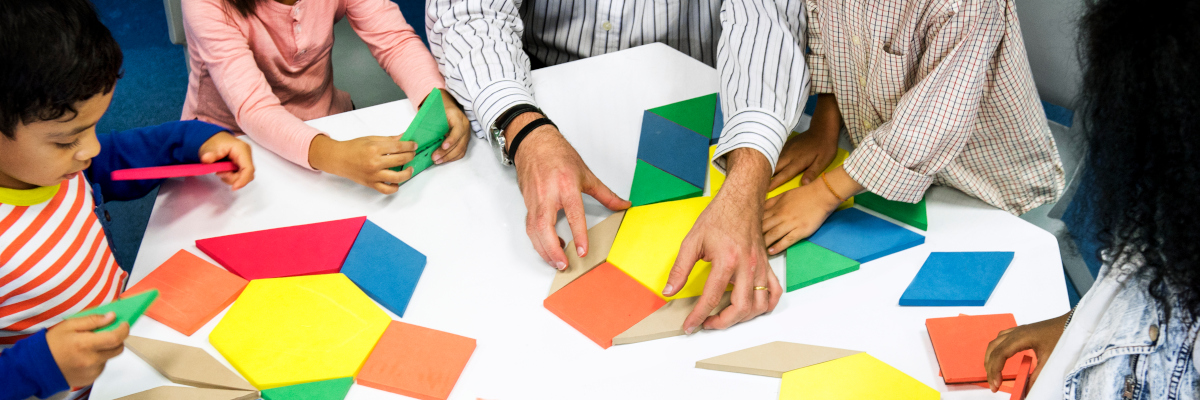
<point x="957" y="279"/>
<point x="718" y="123"/>
<point x="674" y="149"/>
<point x="863" y="237"/>
<point x="384" y="267"/>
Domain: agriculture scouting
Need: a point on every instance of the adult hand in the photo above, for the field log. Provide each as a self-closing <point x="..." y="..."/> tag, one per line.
<point x="728" y="234"/>
<point x="1039" y="336"/>
<point x="365" y="160"/>
<point x="455" y="145"/>
<point x="812" y="151"/>
<point x="81" y="353"/>
<point x="552" y="177"/>
<point x="797" y="213"/>
<point x="222" y="146"/>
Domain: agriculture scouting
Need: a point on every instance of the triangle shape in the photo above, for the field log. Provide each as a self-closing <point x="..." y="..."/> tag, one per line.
<point x="911" y="214"/>
<point x="600" y="241"/>
<point x="384" y="267"/>
<point x="428" y="129"/>
<point x="186" y="365"/>
<point x="333" y="389"/>
<point x="310" y="249"/>
<point x="696" y="114"/>
<point x="808" y="264"/>
<point x="858" y="376"/>
<point x="191" y="393"/>
<point x="128" y="309"/>
<point x="652" y="185"/>
<point x="666" y="322"/>
<point x="773" y="359"/>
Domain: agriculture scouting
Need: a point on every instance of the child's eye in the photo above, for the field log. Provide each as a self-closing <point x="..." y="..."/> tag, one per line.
<point x="68" y="146"/>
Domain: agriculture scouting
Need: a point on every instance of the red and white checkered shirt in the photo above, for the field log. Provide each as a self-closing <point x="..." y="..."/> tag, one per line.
<point x="936" y="92"/>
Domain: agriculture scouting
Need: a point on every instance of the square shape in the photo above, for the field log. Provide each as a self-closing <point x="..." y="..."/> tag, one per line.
<point x="191" y="291"/>
<point x="384" y="267"/>
<point x="808" y="264"/>
<point x="603" y="303"/>
<point x="863" y="237"/>
<point x="127" y="310"/>
<point x="960" y="343"/>
<point x="652" y="185"/>
<point x="417" y="362"/>
<point x="673" y="148"/>
<point x="648" y="243"/>
<point x="957" y="279"/>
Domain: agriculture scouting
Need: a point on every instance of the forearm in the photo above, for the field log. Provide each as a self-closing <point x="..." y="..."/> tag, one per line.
<point x="827" y="117"/>
<point x="749" y="176"/>
<point x="171" y="143"/>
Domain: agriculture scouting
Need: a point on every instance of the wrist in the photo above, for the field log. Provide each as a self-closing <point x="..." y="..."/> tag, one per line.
<point x="517" y="124"/>
<point x="319" y="151"/>
<point x="749" y="174"/>
<point x="840" y="186"/>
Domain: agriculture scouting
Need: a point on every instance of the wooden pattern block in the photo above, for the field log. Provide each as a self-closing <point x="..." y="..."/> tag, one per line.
<point x="858" y="376"/>
<point x="957" y="279"/>
<point x="172" y="171"/>
<point x="911" y="214"/>
<point x="673" y="148"/>
<point x="960" y="343"/>
<point x="652" y="185"/>
<point x="191" y="393"/>
<point x="666" y="321"/>
<point x="191" y="291"/>
<point x="603" y="303"/>
<point x="863" y="237"/>
<point x="773" y="359"/>
<point x="288" y="331"/>
<point x="428" y="129"/>
<point x="417" y="362"/>
<point x="600" y="241"/>
<point x="127" y="310"/>
<point x="333" y="389"/>
<point x="1021" y="386"/>
<point x="809" y="264"/>
<point x="310" y="249"/>
<point x="649" y="240"/>
<point x="696" y="114"/>
<point x="384" y="267"/>
<point x="186" y="365"/>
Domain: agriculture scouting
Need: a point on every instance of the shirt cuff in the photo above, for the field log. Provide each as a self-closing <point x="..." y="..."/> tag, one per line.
<point x="755" y="129"/>
<point x="821" y="82"/>
<point x="497" y="98"/>
<point x="873" y="168"/>
<point x="36" y="364"/>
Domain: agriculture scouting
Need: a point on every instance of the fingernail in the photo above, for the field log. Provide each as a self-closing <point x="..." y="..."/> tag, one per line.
<point x="689" y="330"/>
<point x="579" y="250"/>
<point x="668" y="289"/>
<point x="771" y="250"/>
<point x="445" y="146"/>
<point x="560" y="265"/>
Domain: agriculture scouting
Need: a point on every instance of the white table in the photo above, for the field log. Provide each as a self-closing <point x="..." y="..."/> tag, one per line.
<point x="484" y="280"/>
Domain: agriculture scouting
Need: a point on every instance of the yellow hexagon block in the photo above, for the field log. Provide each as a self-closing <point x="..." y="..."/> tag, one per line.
<point x="648" y="242"/>
<point x="287" y="331"/>
<point x="859" y="376"/>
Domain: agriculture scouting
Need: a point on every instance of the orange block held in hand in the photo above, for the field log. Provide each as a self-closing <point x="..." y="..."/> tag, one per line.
<point x="191" y="291"/>
<point x="961" y="342"/>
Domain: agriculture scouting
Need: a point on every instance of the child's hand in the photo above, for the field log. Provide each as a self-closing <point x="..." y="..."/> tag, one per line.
<point x="1039" y="336"/>
<point x="455" y="145"/>
<point x="365" y="160"/>
<point x="81" y="353"/>
<point x="222" y="146"/>
<point x="795" y="215"/>
<point x="808" y="153"/>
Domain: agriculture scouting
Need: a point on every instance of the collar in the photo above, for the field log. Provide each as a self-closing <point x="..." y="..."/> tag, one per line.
<point x="28" y="197"/>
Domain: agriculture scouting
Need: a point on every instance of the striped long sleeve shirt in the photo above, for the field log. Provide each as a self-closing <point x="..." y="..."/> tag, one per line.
<point x="483" y="49"/>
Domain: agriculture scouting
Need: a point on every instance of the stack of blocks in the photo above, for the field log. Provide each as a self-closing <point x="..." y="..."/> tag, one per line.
<point x="672" y="154"/>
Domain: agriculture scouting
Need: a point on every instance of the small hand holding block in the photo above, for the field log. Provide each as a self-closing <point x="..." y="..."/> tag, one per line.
<point x="428" y="129"/>
<point x="960" y="343"/>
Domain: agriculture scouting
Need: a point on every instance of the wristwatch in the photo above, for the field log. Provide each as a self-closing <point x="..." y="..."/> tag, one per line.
<point x="498" y="141"/>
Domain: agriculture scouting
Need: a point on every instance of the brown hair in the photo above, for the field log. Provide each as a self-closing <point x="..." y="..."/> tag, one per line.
<point x="245" y="7"/>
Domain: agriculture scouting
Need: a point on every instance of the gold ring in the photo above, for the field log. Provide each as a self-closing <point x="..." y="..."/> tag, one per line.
<point x="760" y="288"/>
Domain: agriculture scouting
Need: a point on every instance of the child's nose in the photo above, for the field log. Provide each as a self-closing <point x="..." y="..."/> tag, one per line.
<point x="89" y="149"/>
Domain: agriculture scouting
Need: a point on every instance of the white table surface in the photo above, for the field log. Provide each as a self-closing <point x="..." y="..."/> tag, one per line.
<point x="484" y="280"/>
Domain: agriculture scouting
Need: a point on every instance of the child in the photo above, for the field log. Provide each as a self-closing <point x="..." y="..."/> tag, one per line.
<point x="262" y="67"/>
<point x="1133" y="334"/>
<point x="930" y="91"/>
<point x="58" y="69"/>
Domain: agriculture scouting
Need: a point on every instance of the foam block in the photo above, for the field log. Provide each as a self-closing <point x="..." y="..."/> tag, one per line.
<point x="666" y="321"/>
<point x="858" y="376"/>
<point x="863" y="237"/>
<point x="696" y="114"/>
<point x="384" y="267"/>
<point x="600" y="241"/>
<point x="333" y="389"/>
<point x="186" y="365"/>
<point x="417" y="362"/>
<point x="808" y="264"/>
<point x="310" y="249"/>
<point x="603" y="303"/>
<point x="649" y="240"/>
<point x="127" y="310"/>
<point x="960" y="343"/>
<point x="652" y="185"/>
<point x="1020" y="387"/>
<point x="912" y="214"/>
<point x="957" y="279"/>
<point x="718" y="123"/>
<point x="172" y="171"/>
<point x="773" y="359"/>
<point x="191" y="393"/>
<point x="428" y="129"/>
<point x="191" y="291"/>
<point x="673" y="148"/>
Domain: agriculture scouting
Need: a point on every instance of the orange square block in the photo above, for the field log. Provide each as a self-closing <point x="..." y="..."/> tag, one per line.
<point x="603" y="303"/>
<point x="417" y="362"/>
<point x="960" y="343"/>
<point x="191" y="291"/>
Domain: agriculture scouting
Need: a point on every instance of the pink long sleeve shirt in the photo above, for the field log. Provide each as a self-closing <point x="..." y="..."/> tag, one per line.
<point x="265" y="74"/>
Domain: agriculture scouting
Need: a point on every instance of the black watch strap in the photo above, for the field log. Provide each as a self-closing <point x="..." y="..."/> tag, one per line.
<point x="516" y="142"/>
<point x="512" y="113"/>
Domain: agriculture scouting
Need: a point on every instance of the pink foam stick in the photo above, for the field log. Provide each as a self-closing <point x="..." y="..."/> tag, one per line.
<point x="172" y="171"/>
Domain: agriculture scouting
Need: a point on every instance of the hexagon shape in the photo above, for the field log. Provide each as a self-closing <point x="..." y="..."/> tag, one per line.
<point x="288" y="331"/>
<point x="858" y="376"/>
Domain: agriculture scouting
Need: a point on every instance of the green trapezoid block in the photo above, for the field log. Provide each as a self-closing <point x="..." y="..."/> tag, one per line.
<point x="912" y="214"/>
<point x="652" y="185"/>
<point x="333" y="389"/>
<point x="695" y="114"/>
<point x="809" y="263"/>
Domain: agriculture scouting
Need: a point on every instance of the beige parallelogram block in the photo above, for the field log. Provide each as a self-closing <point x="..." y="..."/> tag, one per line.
<point x="191" y="393"/>
<point x="600" y="241"/>
<point x="666" y="322"/>
<point x="773" y="359"/>
<point x="186" y="365"/>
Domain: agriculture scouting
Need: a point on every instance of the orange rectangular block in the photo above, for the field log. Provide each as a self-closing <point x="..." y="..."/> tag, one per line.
<point x="603" y="303"/>
<point x="960" y="343"/>
<point x="191" y="291"/>
<point x="417" y="362"/>
<point x="1019" y="388"/>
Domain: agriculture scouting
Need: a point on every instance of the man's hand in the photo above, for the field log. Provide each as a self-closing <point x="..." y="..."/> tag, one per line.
<point x="222" y="146"/>
<point x="364" y="160"/>
<point x="812" y="151"/>
<point x="551" y="176"/>
<point x="455" y="145"/>
<point x="81" y="353"/>
<point x="1039" y="336"/>
<point x="728" y="234"/>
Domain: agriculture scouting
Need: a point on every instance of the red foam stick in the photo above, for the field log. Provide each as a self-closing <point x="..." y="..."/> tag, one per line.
<point x="172" y="171"/>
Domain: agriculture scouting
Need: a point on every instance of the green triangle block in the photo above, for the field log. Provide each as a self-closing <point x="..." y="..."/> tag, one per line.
<point x="912" y="214"/>
<point x="809" y="263"/>
<point x="428" y="129"/>
<point x="652" y="185"/>
<point x="333" y="389"/>
<point x="128" y="309"/>
<point x="696" y="114"/>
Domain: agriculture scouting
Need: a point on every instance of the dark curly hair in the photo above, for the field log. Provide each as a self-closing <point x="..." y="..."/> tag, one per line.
<point x="1141" y="112"/>
<point x="53" y="54"/>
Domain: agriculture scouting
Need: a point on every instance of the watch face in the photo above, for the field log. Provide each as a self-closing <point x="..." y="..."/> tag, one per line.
<point x="497" y="140"/>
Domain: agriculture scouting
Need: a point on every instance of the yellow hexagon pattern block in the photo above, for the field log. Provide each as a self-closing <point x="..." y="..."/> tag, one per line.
<point x="648" y="242"/>
<point x="287" y="331"/>
<point x="859" y="376"/>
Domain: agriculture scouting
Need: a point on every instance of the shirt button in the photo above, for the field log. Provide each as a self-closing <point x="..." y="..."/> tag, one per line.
<point x="1153" y="333"/>
<point x="857" y="41"/>
<point x="606" y="25"/>
<point x="862" y="81"/>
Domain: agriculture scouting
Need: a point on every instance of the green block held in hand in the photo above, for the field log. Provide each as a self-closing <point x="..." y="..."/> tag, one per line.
<point x="428" y="129"/>
<point x="128" y="309"/>
<point x="333" y="389"/>
<point x="912" y="214"/>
